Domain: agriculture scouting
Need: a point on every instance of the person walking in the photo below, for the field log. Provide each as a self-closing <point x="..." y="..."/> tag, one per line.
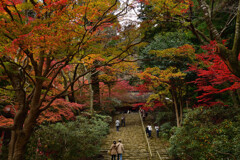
<point x="157" y="130"/>
<point x="123" y="121"/>
<point x="117" y="124"/>
<point x="120" y="150"/>
<point x="140" y="109"/>
<point x="143" y="115"/>
<point x="149" y="131"/>
<point x="113" y="150"/>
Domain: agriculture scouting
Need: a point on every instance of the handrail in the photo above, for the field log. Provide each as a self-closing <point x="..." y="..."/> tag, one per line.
<point x="149" y="149"/>
<point x="159" y="155"/>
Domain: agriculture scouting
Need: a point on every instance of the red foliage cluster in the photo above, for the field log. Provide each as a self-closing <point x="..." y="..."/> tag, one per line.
<point x="157" y="104"/>
<point x="143" y="1"/>
<point x="142" y="88"/>
<point x="60" y="109"/>
<point x="5" y="121"/>
<point x="214" y="78"/>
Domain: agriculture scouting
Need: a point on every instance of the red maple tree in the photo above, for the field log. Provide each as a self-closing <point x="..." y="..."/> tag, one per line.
<point x="214" y="76"/>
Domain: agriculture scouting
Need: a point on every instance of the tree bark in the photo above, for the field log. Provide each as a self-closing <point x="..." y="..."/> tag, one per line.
<point x="180" y="105"/>
<point x="174" y="98"/>
<point x="234" y="98"/>
<point x="72" y="86"/>
<point x="109" y="90"/>
<point x="91" y="99"/>
<point x="65" y="85"/>
<point x="96" y="90"/>
<point x="207" y="16"/>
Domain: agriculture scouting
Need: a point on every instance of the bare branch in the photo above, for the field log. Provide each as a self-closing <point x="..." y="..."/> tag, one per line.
<point x="229" y="21"/>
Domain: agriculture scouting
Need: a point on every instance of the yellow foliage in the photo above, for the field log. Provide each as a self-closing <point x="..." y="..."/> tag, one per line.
<point x="153" y="97"/>
<point x="183" y="51"/>
<point x="169" y="8"/>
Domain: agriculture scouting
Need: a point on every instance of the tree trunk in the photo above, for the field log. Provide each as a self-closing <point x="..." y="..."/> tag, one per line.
<point x="65" y="85"/>
<point x="91" y="99"/>
<point x="109" y="90"/>
<point x="25" y="118"/>
<point x="73" y="99"/>
<point x="180" y="105"/>
<point x="21" y="135"/>
<point x="17" y="145"/>
<point x="89" y="78"/>
<point x="90" y="94"/>
<point x="96" y="91"/>
<point x="238" y="95"/>
<point x="174" y="98"/>
<point x="234" y="98"/>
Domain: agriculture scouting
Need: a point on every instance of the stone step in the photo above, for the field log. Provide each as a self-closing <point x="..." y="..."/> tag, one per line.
<point x="133" y="140"/>
<point x="156" y="144"/>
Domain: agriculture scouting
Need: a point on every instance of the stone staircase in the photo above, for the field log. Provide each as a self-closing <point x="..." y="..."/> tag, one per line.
<point x="157" y="144"/>
<point x="132" y="138"/>
<point x="134" y="142"/>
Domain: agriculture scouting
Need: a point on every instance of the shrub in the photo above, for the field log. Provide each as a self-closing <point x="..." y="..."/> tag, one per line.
<point x="212" y="133"/>
<point x="165" y="129"/>
<point x="166" y="120"/>
<point x="72" y="140"/>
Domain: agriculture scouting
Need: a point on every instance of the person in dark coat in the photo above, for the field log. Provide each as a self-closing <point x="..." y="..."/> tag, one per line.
<point x="123" y="121"/>
<point x="147" y="131"/>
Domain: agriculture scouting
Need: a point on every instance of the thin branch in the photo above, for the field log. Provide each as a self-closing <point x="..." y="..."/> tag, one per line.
<point x="227" y="154"/>
<point x="24" y="71"/>
<point x="60" y="94"/>
<point x="8" y="89"/>
<point x="47" y="68"/>
<point x="8" y="36"/>
<point x="53" y="67"/>
<point x="30" y="55"/>
<point x="8" y="11"/>
<point x="7" y="128"/>
<point x="33" y="2"/>
<point x="52" y="80"/>
<point x="18" y="13"/>
<point x="203" y="35"/>
<point x="126" y="49"/>
<point x="64" y="91"/>
<point x="41" y="62"/>
<point x="101" y="18"/>
<point x="228" y="23"/>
